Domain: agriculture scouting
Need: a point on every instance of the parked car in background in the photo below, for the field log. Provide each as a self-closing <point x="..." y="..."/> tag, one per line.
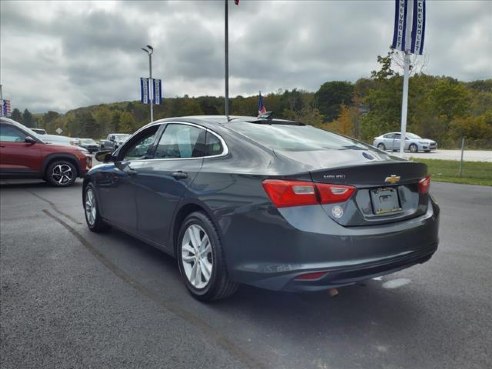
<point x="62" y="140"/>
<point x="58" y="139"/>
<point x="271" y="203"/>
<point x="113" y="141"/>
<point x="23" y="154"/>
<point x="413" y="142"/>
<point x="89" y="144"/>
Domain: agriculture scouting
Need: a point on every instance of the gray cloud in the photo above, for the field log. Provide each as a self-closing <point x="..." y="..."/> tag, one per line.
<point x="60" y="55"/>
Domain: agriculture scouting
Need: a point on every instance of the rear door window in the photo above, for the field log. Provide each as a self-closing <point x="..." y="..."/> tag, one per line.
<point x="182" y="141"/>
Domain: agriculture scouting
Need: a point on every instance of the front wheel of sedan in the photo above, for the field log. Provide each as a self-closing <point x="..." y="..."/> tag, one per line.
<point x="413" y="148"/>
<point x="91" y="211"/>
<point x="381" y="147"/>
<point x="201" y="259"/>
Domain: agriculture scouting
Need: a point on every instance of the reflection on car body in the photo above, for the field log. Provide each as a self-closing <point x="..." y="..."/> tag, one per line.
<point x="271" y="203"/>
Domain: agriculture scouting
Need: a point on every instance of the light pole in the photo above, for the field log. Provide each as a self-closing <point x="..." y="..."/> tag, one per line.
<point x="149" y="50"/>
<point x="226" y="110"/>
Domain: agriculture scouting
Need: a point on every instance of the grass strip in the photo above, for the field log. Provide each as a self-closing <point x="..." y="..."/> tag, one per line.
<point x="474" y="172"/>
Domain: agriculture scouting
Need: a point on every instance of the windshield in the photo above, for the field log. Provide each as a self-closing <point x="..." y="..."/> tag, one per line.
<point x="121" y="137"/>
<point x="295" y="137"/>
<point x="87" y="141"/>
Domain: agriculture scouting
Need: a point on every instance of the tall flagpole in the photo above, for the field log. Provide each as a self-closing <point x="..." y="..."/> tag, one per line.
<point x="404" y="103"/>
<point x="226" y="2"/>
<point x="408" y="37"/>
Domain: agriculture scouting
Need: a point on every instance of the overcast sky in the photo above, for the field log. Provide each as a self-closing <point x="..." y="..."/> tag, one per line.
<point x="63" y="55"/>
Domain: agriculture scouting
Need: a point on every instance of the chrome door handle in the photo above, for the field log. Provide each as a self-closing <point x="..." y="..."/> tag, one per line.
<point x="180" y="175"/>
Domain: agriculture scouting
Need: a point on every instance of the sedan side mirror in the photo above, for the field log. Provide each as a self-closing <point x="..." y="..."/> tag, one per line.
<point x="30" y="140"/>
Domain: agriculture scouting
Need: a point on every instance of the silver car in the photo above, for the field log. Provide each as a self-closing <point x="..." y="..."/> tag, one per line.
<point x="413" y="142"/>
<point x="62" y="140"/>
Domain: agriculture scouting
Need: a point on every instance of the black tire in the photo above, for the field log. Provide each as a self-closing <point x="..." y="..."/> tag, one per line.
<point x="381" y="147"/>
<point x="91" y="210"/>
<point x="413" y="148"/>
<point x="61" y="173"/>
<point x="218" y="285"/>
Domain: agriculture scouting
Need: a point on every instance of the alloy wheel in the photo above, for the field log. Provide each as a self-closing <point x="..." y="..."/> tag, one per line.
<point x="62" y="174"/>
<point x="196" y="256"/>
<point x="90" y="207"/>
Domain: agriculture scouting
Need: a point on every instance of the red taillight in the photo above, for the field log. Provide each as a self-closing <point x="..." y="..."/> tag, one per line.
<point x="424" y="185"/>
<point x="296" y="193"/>
<point x="330" y="193"/>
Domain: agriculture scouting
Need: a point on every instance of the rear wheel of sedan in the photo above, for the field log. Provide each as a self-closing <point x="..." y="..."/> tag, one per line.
<point x="413" y="148"/>
<point x="381" y="147"/>
<point x="201" y="259"/>
<point x="91" y="211"/>
<point x="61" y="173"/>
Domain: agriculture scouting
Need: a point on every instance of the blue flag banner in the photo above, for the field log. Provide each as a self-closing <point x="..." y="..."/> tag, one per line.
<point x="5" y="108"/>
<point x="408" y="35"/>
<point x="399" y="34"/>
<point x="144" y="90"/>
<point x="157" y="91"/>
<point x="418" y="27"/>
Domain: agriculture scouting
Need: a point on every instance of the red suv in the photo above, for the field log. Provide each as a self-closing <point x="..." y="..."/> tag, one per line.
<point x="23" y="154"/>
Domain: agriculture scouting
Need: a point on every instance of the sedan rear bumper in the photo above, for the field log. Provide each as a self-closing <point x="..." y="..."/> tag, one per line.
<point x="345" y="255"/>
<point x="345" y="276"/>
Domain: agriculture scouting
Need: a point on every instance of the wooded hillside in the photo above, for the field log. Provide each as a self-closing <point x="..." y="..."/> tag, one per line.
<point x="441" y="108"/>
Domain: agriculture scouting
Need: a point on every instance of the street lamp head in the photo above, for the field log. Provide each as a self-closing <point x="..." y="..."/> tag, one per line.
<point x="149" y="49"/>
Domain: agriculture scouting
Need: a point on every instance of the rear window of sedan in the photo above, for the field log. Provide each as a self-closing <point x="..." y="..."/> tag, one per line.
<point x="289" y="137"/>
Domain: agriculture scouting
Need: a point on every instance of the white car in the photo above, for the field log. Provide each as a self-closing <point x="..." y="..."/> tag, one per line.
<point x="61" y="140"/>
<point x="413" y="142"/>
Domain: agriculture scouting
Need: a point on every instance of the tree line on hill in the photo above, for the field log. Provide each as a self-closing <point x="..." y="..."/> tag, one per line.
<point x="439" y="107"/>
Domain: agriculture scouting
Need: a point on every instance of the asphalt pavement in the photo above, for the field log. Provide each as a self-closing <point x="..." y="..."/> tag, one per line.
<point x="74" y="299"/>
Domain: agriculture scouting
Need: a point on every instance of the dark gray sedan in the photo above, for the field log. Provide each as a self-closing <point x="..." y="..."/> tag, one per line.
<point x="270" y="203"/>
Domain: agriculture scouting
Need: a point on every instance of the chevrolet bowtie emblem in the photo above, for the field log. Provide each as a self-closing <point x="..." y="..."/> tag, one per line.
<point x="392" y="179"/>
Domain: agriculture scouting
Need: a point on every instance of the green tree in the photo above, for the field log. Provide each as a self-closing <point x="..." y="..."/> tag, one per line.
<point x="187" y="106"/>
<point x="27" y="118"/>
<point x="102" y="116"/>
<point x="383" y="102"/>
<point x="16" y="115"/>
<point x="331" y="95"/>
<point x="385" y="71"/>
<point x="345" y="123"/>
<point x="115" y="123"/>
<point x="48" y="118"/>
<point x="127" y="123"/>
<point x="449" y="99"/>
